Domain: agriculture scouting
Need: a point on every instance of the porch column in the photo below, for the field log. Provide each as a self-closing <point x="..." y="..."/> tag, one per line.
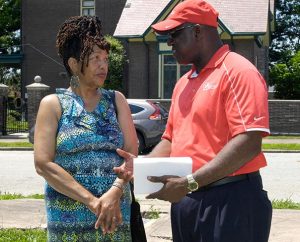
<point x="35" y="91"/>
<point x="3" y="111"/>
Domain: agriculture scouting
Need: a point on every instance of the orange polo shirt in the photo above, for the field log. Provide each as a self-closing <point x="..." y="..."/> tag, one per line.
<point x="228" y="97"/>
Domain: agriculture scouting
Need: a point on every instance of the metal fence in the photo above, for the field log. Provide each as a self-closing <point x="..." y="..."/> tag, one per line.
<point x="15" y="115"/>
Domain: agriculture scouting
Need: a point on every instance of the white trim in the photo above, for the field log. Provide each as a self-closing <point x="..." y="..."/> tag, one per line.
<point x="161" y="72"/>
<point x="159" y="77"/>
<point x="235" y="97"/>
<point x="259" y="129"/>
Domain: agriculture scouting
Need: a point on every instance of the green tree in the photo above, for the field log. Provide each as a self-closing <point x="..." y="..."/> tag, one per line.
<point x="286" y="78"/>
<point x="116" y="65"/>
<point x="284" y="50"/>
<point x="10" y="24"/>
<point x="286" y="37"/>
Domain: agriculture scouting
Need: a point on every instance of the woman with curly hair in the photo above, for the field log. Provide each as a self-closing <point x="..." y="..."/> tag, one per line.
<point x="77" y="133"/>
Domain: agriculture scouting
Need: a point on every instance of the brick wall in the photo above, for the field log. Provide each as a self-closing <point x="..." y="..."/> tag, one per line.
<point x="40" y="22"/>
<point x="284" y="116"/>
<point x="137" y="70"/>
<point x="2" y="110"/>
<point x="109" y="11"/>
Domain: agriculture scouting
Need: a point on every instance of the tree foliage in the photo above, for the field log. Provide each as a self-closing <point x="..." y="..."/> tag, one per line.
<point x="116" y="65"/>
<point x="10" y="24"/>
<point x="286" y="37"/>
<point x="286" y="78"/>
<point x="285" y="50"/>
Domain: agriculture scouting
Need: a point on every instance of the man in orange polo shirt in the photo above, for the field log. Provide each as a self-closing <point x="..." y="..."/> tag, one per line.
<point x="218" y="116"/>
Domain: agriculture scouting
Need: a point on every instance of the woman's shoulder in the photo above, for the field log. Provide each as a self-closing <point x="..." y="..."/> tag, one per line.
<point x="50" y="99"/>
<point x="50" y="103"/>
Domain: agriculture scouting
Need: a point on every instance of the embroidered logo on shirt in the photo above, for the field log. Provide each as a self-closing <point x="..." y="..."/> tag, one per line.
<point x="257" y="118"/>
<point x="209" y="86"/>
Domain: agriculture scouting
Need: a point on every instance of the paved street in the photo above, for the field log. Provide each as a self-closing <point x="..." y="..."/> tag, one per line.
<point x="17" y="173"/>
<point x="281" y="178"/>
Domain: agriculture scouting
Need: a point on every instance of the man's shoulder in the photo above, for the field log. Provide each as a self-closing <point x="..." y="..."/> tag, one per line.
<point x="235" y="61"/>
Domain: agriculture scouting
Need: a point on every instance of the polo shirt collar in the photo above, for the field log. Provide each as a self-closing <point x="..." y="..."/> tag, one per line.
<point x="216" y="59"/>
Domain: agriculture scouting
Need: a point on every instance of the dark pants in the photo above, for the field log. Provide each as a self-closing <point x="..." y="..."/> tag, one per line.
<point x="234" y="212"/>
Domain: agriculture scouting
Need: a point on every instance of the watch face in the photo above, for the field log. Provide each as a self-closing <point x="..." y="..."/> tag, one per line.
<point x="193" y="186"/>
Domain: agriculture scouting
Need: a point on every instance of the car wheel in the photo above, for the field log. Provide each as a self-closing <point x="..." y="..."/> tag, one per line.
<point x="141" y="142"/>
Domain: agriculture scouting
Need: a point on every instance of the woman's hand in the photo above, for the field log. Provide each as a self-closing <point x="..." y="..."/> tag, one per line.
<point x="107" y="209"/>
<point x="125" y="171"/>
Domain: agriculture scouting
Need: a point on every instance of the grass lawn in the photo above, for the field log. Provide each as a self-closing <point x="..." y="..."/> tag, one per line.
<point x="285" y="204"/>
<point x="279" y="146"/>
<point x="9" y="196"/>
<point x="20" y="235"/>
<point x="292" y="146"/>
<point x="15" y="144"/>
<point x="283" y="137"/>
<point x="276" y="204"/>
<point x="265" y="146"/>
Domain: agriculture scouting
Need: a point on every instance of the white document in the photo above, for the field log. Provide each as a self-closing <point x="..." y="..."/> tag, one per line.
<point x="158" y="166"/>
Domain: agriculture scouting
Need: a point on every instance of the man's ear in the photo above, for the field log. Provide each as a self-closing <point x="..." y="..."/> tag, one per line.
<point x="73" y="64"/>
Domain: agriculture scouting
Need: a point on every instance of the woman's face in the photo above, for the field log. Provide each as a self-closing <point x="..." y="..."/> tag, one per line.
<point x="96" y="71"/>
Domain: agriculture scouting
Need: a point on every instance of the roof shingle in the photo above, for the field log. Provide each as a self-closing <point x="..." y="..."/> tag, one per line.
<point x="138" y="16"/>
<point x="238" y="16"/>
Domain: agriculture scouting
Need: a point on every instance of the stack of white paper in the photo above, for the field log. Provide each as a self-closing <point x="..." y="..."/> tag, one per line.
<point x="143" y="167"/>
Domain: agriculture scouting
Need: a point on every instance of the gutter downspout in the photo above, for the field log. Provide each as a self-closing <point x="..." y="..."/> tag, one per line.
<point x="232" y="42"/>
<point x="147" y="67"/>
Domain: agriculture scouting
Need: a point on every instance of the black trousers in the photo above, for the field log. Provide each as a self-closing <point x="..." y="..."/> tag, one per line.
<point x="234" y="212"/>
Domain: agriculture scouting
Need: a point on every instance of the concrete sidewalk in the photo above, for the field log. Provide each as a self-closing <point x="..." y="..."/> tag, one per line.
<point x="30" y="213"/>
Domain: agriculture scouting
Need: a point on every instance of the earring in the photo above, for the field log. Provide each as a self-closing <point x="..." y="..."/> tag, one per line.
<point x="74" y="81"/>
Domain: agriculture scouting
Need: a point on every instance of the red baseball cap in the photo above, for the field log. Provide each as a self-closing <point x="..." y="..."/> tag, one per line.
<point x="189" y="11"/>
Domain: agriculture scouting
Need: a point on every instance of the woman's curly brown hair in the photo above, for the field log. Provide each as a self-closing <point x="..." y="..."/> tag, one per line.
<point x="76" y="38"/>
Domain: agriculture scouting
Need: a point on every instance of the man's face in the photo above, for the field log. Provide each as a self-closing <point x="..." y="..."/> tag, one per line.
<point x="183" y="42"/>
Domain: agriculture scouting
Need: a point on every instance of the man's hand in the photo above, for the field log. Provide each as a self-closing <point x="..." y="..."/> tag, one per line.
<point x="125" y="171"/>
<point x="173" y="190"/>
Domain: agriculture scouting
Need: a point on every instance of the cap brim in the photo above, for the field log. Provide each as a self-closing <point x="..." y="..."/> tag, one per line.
<point x="166" y="25"/>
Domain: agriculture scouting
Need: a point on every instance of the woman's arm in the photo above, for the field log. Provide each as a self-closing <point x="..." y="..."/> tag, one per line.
<point x="126" y="124"/>
<point x="130" y="147"/>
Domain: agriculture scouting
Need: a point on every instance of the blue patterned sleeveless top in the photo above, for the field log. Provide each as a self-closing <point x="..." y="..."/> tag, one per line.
<point x="86" y="149"/>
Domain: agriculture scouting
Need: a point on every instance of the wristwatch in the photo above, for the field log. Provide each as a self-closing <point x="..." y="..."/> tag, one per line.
<point x="192" y="184"/>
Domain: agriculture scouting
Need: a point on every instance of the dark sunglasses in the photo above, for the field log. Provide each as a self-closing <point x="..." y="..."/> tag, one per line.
<point x="175" y="33"/>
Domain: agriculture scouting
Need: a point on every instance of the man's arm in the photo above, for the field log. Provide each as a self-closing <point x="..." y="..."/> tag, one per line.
<point x="240" y="150"/>
<point x="236" y="153"/>
<point x="162" y="149"/>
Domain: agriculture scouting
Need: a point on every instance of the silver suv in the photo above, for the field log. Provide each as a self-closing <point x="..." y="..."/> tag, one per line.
<point x="149" y="119"/>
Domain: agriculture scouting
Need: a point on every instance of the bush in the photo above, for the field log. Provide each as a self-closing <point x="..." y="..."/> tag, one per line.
<point x="286" y="78"/>
<point x="14" y="115"/>
<point x="116" y="65"/>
